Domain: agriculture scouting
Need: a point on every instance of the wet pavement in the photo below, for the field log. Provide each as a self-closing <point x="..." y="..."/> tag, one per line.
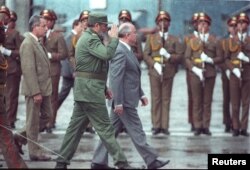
<point x="184" y="150"/>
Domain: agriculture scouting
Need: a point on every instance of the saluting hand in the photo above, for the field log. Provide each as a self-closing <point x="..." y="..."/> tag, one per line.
<point x="113" y="32"/>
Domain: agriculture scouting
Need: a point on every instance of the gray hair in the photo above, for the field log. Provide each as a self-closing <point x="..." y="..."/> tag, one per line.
<point x="34" y="21"/>
<point x="124" y="29"/>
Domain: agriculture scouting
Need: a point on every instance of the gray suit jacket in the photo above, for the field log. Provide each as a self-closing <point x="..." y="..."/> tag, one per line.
<point x="67" y="70"/>
<point x="125" y="78"/>
<point x="35" y="66"/>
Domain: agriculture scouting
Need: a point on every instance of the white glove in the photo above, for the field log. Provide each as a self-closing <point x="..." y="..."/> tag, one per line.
<point x="164" y="53"/>
<point x="49" y="55"/>
<point x="206" y="59"/>
<point x="158" y="68"/>
<point x="237" y="72"/>
<point x="5" y="51"/>
<point x="227" y="73"/>
<point x="243" y="57"/>
<point x="198" y="72"/>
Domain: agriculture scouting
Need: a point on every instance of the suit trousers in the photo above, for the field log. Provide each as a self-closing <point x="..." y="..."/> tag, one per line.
<point x="131" y="121"/>
<point x="67" y="85"/>
<point x="161" y="93"/>
<point x="54" y="98"/>
<point x="9" y="151"/>
<point x="36" y="116"/>
<point x="97" y="114"/>
<point x="12" y="93"/>
<point x="202" y="93"/>
<point x="240" y="96"/>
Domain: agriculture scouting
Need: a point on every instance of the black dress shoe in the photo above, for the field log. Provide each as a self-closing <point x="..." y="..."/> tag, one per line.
<point x="197" y="132"/>
<point x="192" y="128"/>
<point x="60" y="165"/>
<point x="206" y="131"/>
<point x="158" y="164"/>
<point x="18" y="144"/>
<point x="165" y="131"/>
<point x="41" y="157"/>
<point x="236" y="132"/>
<point x="100" y="166"/>
<point x="244" y="133"/>
<point x="227" y="129"/>
<point x="156" y="131"/>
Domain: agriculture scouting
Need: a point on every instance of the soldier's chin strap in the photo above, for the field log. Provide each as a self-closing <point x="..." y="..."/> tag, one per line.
<point x="33" y="141"/>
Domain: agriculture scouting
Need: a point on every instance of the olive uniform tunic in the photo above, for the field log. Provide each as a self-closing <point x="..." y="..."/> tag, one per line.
<point x="202" y="91"/>
<point x="161" y="91"/>
<point x="239" y="88"/>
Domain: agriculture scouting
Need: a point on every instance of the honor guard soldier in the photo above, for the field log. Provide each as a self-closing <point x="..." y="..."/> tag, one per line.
<point x="7" y="145"/>
<point x="225" y="74"/>
<point x="57" y="50"/>
<point x="162" y="54"/>
<point x="201" y="54"/>
<point x="237" y="55"/>
<point x="11" y="48"/>
<point x="125" y="16"/>
<point x="194" y="22"/>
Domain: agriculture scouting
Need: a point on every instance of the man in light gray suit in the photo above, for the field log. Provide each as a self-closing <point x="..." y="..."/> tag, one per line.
<point x="36" y="87"/>
<point x="125" y="75"/>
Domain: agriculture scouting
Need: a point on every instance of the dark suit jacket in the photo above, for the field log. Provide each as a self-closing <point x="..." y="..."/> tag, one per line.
<point x="125" y="78"/>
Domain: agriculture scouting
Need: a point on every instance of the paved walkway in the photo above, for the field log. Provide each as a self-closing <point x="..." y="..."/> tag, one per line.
<point x="184" y="150"/>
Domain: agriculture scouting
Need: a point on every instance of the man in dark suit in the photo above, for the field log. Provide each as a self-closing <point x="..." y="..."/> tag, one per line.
<point x="125" y="75"/>
<point x="36" y="87"/>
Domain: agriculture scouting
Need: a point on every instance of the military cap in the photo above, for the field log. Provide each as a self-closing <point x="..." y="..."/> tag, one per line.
<point x="47" y="14"/>
<point x="84" y="15"/>
<point x="195" y="17"/>
<point x="204" y="17"/>
<point x="232" y="21"/>
<point x="97" y="18"/>
<point x="5" y="9"/>
<point x="125" y="14"/>
<point x="243" y="17"/>
<point x="13" y="16"/>
<point x="162" y="15"/>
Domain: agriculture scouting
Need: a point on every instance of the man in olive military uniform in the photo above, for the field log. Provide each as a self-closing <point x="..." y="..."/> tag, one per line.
<point x="237" y="54"/>
<point x="162" y="54"/>
<point x="11" y="49"/>
<point x="55" y="44"/>
<point x="9" y="150"/>
<point x="89" y="93"/>
<point x="225" y="75"/>
<point x="201" y="54"/>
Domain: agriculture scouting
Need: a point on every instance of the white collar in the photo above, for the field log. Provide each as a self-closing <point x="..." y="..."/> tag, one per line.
<point x="74" y="32"/>
<point x="165" y="34"/>
<point x="48" y="33"/>
<point x="204" y="37"/>
<point x="128" y="47"/>
<point x="34" y="36"/>
<point x="196" y="34"/>
<point x="242" y="36"/>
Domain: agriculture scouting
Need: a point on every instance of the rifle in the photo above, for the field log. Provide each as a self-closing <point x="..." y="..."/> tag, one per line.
<point x="163" y="43"/>
<point x="203" y="50"/>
